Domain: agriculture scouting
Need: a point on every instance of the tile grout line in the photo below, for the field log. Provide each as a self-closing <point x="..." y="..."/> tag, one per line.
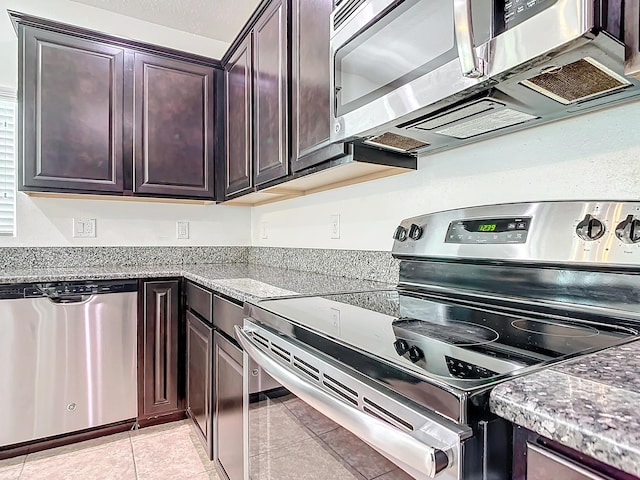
<point x="133" y="457"/>
<point x="22" y="466"/>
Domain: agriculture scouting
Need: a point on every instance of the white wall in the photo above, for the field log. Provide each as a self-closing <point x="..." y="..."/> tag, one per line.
<point x="595" y="156"/>
<point x="48" y="222"/>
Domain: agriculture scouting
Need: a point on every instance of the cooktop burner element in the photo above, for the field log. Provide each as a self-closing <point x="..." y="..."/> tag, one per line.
<point x="554" y="329"/>
<point x="461" y="334"/>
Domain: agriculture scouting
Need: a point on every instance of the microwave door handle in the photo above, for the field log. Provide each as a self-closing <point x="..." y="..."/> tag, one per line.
<point x="463" y="26"/>
<point x="407" y="450"/>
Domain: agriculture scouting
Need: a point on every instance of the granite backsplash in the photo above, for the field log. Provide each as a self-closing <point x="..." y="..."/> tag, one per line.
<point x="368" y="265"/>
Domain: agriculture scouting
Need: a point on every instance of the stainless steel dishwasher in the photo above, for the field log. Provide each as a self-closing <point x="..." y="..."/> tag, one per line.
<point x="67" y="358"/>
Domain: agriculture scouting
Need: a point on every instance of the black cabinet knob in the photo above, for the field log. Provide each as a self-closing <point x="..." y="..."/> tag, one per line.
<point x="415" y="231"/>
<point x="415" y="354"/>
<point x="401" y="346"/>
<point x="400" y="234"/>
<point x="629" y="230"/>
<point x="590" y="228"/>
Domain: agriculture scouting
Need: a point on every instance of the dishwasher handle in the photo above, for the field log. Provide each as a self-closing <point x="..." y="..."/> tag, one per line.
<point x="69" y="299"/>
<point x="405" y="449"/>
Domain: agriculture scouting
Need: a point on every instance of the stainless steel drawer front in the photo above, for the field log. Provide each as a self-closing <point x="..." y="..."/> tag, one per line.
<point x="66" y="366"/>
<point x="421" y="444"/>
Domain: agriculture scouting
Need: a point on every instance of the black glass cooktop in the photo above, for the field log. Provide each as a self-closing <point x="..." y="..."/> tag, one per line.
<point x="447" y="340"/>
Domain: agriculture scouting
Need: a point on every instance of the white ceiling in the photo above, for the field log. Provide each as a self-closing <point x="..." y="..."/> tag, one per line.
<point x="217" y="19"/>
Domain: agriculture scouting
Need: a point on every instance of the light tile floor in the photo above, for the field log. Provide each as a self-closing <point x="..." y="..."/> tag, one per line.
<point x="169" y="451"/>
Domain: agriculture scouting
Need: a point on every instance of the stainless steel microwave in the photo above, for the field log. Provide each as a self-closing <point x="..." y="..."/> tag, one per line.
<point x="414" y="75"/>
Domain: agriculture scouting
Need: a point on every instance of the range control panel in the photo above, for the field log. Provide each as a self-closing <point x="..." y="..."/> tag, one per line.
<point x="581" y="232"/>
<point x="489" y="230"/>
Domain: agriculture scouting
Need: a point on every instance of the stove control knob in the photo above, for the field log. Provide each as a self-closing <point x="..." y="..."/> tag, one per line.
<point x="415" y="354"/>
<point x="590" y="228"/>
<point x="400" y="233"/>
<point x="415" y="231"/>
<point x="401" y="346"/>
<point x="629" y="230"/>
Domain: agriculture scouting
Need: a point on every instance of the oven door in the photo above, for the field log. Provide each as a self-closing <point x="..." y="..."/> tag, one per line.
<point x="321" y="405"/>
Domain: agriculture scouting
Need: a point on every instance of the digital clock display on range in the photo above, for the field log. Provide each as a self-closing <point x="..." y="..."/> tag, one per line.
<point x="489" y="230"/>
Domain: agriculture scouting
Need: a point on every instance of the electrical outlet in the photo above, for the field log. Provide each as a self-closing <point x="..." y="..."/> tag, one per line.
<point x="264" y="234"/>
<point x="84" y="227"/>
<point x="182" y="230"/>
<point x="334" y="315"/>
<point x="334" y="226"/>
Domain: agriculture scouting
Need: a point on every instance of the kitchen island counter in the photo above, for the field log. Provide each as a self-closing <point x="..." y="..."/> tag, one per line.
<point x="589" y="404"/>
<point x="240" y="281"/>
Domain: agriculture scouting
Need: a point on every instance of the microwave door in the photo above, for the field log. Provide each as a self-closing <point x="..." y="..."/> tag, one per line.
<point x="404" y="58"/>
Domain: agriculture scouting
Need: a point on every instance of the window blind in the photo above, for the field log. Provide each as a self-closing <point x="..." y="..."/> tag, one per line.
<point x="7" y="162"/>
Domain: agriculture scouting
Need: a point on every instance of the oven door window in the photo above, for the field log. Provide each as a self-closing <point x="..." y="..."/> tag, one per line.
<point x="290" y="439"/>
<point x="414" y="38"/>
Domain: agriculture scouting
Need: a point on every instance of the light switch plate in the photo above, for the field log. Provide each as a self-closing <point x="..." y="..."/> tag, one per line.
<point x="264" y="234"/>
<point x="84" y="227"/>
<point x="182" y="229"/>
<point x="334" y="226"/>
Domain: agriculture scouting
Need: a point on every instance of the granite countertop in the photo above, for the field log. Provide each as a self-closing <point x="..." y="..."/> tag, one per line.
<point x="590" y="404"/>
<point x="241" y="281"/>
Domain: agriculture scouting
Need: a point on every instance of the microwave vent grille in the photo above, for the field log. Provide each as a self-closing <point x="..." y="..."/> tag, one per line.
<point x="345" y="11"/>
<point x="396" y="142"/>
<point x="473" y="119"/>
<point x="577" y="81"/>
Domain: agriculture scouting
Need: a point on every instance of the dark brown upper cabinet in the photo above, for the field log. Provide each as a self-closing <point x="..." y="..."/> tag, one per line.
<point x="238" y="79"/>
<point x="173" y="130"/>
<point x="104" y="115"/>
<point x="270" y="80"/>
<point x="310" y="84"/>
<point x="256" y="105"/>
<point x="72" y="113"/>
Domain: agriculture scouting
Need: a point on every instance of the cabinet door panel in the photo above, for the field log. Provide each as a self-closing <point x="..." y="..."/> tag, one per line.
<point x="159" y="382"/>
<point x="238" y="113"/>
<point x="173" y="130"/>
<point x="270" y="95"/>
<point x="229" y="420"/>
<point x="72" y="112"/>
<point x="199" y="367"/>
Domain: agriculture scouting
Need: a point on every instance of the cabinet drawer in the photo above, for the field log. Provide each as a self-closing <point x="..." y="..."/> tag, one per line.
<point x="200" y="301"/>
<point x="543" y="465"/>
<point x="226" y="315"/>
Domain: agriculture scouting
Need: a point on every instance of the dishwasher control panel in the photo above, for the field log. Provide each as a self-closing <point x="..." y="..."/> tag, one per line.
<point x="64" y="289"/>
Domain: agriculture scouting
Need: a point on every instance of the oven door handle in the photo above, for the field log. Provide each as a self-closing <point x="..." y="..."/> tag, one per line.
<point x="405" y="450"/>
<point x="463" y="26"/>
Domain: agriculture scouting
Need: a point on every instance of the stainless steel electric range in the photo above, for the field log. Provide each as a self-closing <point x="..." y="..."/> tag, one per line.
<point x="485" y="294"/>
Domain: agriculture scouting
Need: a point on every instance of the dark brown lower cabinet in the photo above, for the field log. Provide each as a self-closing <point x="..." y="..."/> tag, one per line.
<point x="199" y="384"/>
<point x="228" y="427"/>
<point x="159" y="351"/>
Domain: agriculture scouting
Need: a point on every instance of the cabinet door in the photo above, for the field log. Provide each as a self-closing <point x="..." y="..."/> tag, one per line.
<point x="238" y="114"/>
<point x="199" y="386"/>
<point x="72" y="113"/>
<point x="270" y="94"/>
<point x="228" y="413"/>
<point x="310" y="84"/>
<point x="158" y="385"/>
<point x="173" y="128"/>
